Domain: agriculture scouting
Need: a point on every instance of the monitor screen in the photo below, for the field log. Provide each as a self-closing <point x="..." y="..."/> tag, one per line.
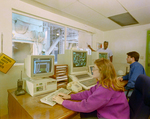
<point x="91" y="69"/>
<point x="42" y="65"/>
<point x="103" y="55"/>
<point x="98" y="55"/>
<point x="79" y="59"/>
<point x="39" y="65"/>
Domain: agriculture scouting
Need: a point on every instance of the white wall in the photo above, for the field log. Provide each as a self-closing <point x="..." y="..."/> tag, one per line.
<point x="9" y="80"/>
<point x="5" y="21"/>
<point x="126" y="40"/>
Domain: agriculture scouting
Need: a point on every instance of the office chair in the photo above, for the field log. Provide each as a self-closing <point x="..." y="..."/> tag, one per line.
<point x="140" y="99"/>
<point x="128" y="92"/>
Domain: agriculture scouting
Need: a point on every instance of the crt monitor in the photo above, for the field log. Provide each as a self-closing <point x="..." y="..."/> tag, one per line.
<point x="79" y="61"/>
<point x="103" y="55"/>
<point x="76" y="59"/>
<point x="39" y="66"/>
<point x="98" y="55"/>
<point x="91" y="69"/>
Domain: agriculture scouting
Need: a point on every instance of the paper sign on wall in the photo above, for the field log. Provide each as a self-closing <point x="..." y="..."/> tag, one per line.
<point x="5" y="63"/>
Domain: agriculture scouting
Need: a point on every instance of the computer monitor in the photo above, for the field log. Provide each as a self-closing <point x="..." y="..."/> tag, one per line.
<point x="98" y="55"/>
<point x="39" y="66"/>
<point x="103" y="55"/>
<point x="77" y="60"/>
<point x="91" y="69"/>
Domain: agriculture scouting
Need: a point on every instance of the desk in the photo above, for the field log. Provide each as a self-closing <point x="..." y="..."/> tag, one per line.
<point x="27" y="107"/>
<point x="124" y="82"/>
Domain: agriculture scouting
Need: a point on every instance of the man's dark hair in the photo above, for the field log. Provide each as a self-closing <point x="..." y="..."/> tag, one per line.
<point x="134" y="54"/>
<point x="106" y="42"/>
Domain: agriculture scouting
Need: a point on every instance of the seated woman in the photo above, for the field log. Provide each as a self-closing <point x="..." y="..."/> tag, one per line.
<point x="106" y="98"/>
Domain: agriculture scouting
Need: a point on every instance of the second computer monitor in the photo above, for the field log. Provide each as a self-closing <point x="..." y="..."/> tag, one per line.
<point x="98" y="55"/>
<point x="103" y="55"/>
<point x="76" y="59"/>
<point x="79" y="59"/>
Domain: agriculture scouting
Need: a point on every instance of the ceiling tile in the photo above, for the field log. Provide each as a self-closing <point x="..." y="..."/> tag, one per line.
<point x="134" y="4"/>
<point x="106" y="24"/>
<point x="142" y="15"/>
<point x="58" y="4"/>
<point x="105" y="7"/>
<point x="93" y="17"/>
<point x="79" y="10"/>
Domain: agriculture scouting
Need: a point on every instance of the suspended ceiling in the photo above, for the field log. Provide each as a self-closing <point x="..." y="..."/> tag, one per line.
<point x="96" y="13"/>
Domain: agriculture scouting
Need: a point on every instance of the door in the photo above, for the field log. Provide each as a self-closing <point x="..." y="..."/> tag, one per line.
<point x="147" y="64"/>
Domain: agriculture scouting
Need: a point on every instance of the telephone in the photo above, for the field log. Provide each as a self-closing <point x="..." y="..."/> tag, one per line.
<point x="19" y="90"/>
<point x="74" y="86"/>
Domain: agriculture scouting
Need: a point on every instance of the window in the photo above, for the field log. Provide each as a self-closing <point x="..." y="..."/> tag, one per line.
<point x="35" y="37"/>
<point x="72" y="38"/>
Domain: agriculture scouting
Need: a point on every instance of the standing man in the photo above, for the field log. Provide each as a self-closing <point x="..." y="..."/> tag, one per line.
<point x="105" y="49"/>
<point x="135" y="69"/>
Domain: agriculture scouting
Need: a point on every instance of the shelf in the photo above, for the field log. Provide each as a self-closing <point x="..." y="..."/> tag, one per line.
<point x="61" y="75"/>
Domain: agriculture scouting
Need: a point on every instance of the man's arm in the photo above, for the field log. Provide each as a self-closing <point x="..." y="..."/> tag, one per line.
<point x="91" y="48"/>
<point x="136" y="71"/>
<point x="126" y="77"/>
<point x="111" y="58"/>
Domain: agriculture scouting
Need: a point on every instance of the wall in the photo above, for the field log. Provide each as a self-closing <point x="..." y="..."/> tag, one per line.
<point x="5" y="21"/>
<point x="9" y="80"/>
<point x="126" y="40"/>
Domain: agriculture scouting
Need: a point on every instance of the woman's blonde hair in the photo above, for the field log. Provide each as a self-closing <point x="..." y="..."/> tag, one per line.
<point x="108" y="77"/>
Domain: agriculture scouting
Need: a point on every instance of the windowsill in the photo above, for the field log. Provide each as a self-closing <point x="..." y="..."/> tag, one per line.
<point x="18" y="64"/>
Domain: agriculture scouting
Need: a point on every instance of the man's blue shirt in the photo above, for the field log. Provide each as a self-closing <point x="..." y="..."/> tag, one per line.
<point x="135" y="70"/>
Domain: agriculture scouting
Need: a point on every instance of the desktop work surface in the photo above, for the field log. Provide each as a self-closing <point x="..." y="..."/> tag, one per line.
<point x="27" y="107"/>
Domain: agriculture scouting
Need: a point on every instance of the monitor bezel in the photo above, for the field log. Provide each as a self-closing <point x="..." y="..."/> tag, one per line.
<point x="79" y="52"/>
<point x="81" y="69"/>
<point x="31" y="64"/>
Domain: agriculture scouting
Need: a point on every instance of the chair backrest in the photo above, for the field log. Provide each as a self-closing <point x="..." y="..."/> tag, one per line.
<point x="140" y="99"/>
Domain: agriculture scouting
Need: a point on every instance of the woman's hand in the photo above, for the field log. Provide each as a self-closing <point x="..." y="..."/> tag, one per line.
<point x="58" y="99"/>
<point x="64" y="96"/>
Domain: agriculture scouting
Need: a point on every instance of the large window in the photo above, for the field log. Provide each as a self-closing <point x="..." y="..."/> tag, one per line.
<point x="72" y="38"/>
<point x="33" y="36"/>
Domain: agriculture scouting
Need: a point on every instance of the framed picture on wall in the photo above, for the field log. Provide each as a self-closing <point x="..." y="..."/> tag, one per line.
<point x="98" y="45"/>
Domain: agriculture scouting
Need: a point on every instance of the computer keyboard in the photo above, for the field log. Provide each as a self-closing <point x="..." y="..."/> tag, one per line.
<point x="88" y="82"/>
<point x="81" y="76"/>
<point x="48" y="99"/>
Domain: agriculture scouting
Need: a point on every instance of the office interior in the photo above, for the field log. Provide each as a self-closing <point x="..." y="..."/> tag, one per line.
<point x="121" y="39"/>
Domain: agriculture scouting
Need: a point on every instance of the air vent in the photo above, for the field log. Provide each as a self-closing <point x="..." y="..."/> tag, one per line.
<point x="123" y="19"/>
